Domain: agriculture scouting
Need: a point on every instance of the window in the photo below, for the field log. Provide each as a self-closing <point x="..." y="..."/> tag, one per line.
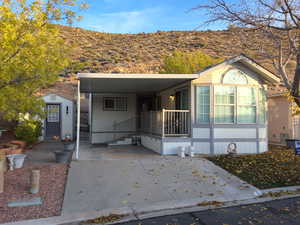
<point x="246" y="105"/>
<point x="262" y="106"/>
<point x="115" y="103"/>
<point x="203" y="104"/>
<point x="224" y="104"/>
<point x="235" y="76"/>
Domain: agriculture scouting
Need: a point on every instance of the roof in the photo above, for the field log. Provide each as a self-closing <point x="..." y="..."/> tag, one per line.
<point x="131" y="83"/>
<point x="63" y="89"/>
<point x="147" y="83"/>
<point x="266" y="74"/>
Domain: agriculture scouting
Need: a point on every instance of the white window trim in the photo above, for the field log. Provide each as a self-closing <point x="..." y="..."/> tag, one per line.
<point x="256" y="104"/>
<point x="210" y="103"/>
<point x="234" y="105"/>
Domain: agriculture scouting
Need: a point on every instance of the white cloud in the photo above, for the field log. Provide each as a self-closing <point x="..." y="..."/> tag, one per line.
<point x="123" y="22"/>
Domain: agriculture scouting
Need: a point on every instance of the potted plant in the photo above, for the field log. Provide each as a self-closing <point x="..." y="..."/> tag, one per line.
<point x="63" y="156"/>
<point x="16" y="161"/>
<point x="69" y="145"/>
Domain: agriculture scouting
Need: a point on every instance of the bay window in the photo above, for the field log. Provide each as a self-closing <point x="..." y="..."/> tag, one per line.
<point x="232" y="104"/>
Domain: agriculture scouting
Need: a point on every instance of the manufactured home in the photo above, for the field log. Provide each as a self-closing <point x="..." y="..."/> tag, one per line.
<point x="220" y="105"/>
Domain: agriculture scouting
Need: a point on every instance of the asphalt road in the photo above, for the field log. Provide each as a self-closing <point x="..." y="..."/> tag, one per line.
<point x="276" y="212"/>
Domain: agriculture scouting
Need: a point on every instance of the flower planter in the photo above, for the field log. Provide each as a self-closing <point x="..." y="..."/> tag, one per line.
<point x="16" y="160"/>
<point x="69" y="146"/>
<point x="63" y="156"/>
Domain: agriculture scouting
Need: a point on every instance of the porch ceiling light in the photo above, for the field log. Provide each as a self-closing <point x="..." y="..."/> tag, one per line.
<point x="172" y="98"/>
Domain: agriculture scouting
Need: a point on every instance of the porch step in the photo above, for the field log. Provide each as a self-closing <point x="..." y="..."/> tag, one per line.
<point x="121" y="141"/>
<point x="84" y="136"/>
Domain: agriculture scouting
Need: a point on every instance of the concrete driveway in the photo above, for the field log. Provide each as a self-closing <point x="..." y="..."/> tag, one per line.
<point x="131" y="176"/>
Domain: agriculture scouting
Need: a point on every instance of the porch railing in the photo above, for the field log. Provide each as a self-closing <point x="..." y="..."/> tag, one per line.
<point x="166" y="122"/>
<point x="175" y="122"/>
<point x="151" y="122"/>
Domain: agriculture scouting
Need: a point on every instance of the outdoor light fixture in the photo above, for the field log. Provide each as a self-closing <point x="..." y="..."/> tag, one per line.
<point x="67" y="110"/>
<point x="172" y="98"/>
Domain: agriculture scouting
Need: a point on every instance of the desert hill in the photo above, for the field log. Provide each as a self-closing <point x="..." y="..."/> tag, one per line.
<point x="144" y="52"/>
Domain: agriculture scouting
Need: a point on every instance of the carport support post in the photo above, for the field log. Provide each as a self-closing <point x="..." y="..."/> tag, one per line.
<point x="78" y="119"/>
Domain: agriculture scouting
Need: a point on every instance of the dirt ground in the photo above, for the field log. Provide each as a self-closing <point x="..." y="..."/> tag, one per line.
<point x="17" y="185"/>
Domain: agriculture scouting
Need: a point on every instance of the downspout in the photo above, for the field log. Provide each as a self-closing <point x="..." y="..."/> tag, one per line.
<point x="78" y="120"/>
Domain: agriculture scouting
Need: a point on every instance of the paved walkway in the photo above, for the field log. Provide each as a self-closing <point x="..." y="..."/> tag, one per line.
<point x="286" y="212"/>
<point x="133" y="177"/>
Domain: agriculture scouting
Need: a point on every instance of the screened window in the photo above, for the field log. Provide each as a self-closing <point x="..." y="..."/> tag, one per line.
<point x="203" y="104"/>
<point x="224" y="104"/>
<point x="246" y="105"/>
<point x="262" y="106"/>
<point x="115" y="104"/>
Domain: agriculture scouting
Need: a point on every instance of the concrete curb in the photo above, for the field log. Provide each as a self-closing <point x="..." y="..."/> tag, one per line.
<point x="74" y="217"/>
<point x="139" y="212"/>
<point x="280" y="189"/>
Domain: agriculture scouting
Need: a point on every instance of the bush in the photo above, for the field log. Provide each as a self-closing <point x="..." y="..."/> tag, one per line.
<point x="29" y="131"/>
<point x="187" y="62"/>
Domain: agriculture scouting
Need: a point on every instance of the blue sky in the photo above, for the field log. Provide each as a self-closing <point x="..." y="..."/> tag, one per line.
<point x="135" y="16"/>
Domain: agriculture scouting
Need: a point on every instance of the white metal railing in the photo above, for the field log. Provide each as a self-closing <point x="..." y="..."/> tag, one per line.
<point x="166" y="122"/>
<point x="176" y="122"/>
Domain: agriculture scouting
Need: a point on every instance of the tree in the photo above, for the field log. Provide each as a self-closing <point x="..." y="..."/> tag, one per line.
<point x="187" y="62"/>
<point x="32" y="53"/>
<point x="276" y="20"/>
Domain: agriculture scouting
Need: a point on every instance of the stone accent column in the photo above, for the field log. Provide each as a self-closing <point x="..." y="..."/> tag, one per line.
<point x="35" y="182"/>
<point x="2" y="170"/>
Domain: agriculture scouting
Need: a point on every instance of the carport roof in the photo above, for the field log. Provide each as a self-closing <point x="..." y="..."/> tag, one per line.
<point x="130" y="83"/>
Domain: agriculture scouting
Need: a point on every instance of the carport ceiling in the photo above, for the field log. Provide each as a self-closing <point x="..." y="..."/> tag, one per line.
<point x="131" y="83"/>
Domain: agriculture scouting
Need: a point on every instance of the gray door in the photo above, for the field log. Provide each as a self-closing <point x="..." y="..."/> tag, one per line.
<point x="52" y="120"/>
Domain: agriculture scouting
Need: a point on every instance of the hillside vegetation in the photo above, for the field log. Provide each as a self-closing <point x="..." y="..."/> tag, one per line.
<point x="144" y="52"/>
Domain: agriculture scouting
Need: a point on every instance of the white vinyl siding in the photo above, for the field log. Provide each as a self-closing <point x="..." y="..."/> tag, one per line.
<point x="203" y="104"/>
<point x="246" y="105"/>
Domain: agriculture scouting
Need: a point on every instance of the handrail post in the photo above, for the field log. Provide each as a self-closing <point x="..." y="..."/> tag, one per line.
<point x="163" y="123"/>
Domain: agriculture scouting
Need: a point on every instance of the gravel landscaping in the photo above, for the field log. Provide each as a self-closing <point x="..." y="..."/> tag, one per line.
<point x="52" y="186"/>
<point x="277" y="168"/>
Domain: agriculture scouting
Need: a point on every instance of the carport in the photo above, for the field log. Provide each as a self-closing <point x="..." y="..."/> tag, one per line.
<point x="126" y="84"/>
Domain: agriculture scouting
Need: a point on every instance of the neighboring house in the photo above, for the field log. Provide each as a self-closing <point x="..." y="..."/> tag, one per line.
<point x="222" y="104"/>
<point x="282" y="123"/>
<point x="60" y="111"/>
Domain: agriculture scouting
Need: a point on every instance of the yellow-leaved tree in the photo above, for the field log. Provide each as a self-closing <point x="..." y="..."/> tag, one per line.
<point x="187" y="62"/>
<point x="32" y="53"/>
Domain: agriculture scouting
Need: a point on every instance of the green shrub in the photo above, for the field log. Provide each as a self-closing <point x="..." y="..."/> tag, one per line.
<point x="187" y="62"/>
<point x="29" y="131"/>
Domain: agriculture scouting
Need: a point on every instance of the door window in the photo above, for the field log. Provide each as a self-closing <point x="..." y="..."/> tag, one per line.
<point x="53" y="113"/>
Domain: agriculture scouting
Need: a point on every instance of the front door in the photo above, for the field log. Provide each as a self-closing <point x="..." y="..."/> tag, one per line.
<point x="53" y="120"/>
